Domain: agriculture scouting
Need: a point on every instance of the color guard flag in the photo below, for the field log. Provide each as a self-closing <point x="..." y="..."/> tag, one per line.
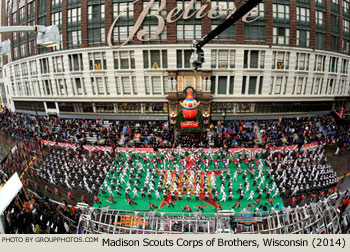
<point x="2" y="110"/>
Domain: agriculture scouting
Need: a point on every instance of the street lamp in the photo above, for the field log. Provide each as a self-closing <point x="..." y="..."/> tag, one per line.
<point x="224" y="115"/>
<point x="47" y="36"/>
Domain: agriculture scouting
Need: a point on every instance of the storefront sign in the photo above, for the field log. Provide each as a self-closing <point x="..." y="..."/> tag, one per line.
<point x="173" y="16"/>
<point x="189" y="124"/>
<point x="247" y="220"/>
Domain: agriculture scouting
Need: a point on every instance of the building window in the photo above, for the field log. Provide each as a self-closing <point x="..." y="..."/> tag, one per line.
<point x="47" y="87"/>
<point x="189" y="81"/>
<point x="147" y="85"/>
<point x="96" y="25"/>
<point x="346" y="26"/>
<point x="341" y="89"/>
<point x="155" y="59"/>
<point x="183" y="58"/>
<point x="17" y="71"/>
<point x="255" y="31"/>
<point x="23" y="50"/>
<point x="222" y="9"/>
<point x="124" y="59"/>
<point x="222" y="58"/>
<point x="280" y="60"/>
<point x="74" y="26"/>
<point x="281" y="35"/>
<point x="44" y="66"/>
<point x="125" y="23"/>
<point x="320" y="40"/>
<point x="299" y="84"/>
<point x="254" y="84"/>
<point x="281" y="12"/>
<point x="191" y="28"/>
<point x="129" y="107"/>
<point x="56" y="18"/>
<point x="320" y="19"/>
<point x="166" y="86"/>
<point x="316" y="85"/>
<point x="79" y="86"/>
<point x="99" y="84"/>
<point x="74" y="16"/>
<point x="56" y="3"/>
<point x="222" y="85"/>
<point x="303" y="38"/>
<point x="189" y="32"/>
<point x="335" y="23"/>
<point x="156" y="85"/>
<point x="334" y="43"/>
<point x="320" y="61"/>
<point x="104" y="107"/>
<point x="126" y="85"/>
<point x="321" y="3"/>
<point x="330" y="88"/>
<point x="58" y="65"/>
<point x="62" y="86"/>
<point x="156" y="107"/>
<point x="15" y="53"/>
<point x="231" y="87"/>
<point x="31" y="10"/>
<point x="344" y="66"/>
<point x="74" y="38"/>
<point x="303" y="15"/>
<point x="14" y="18"/>
<point x="150" y="24"/>
<point x="96" y="12"/>
<point x="118" y="85"/>
<point x="24" y="69"/>
<point x="278" y="85"/>
<point x="97" y="61"/>
<point x="302" y="61"/>
<point x="345" y="45"/>
<point x="134" y="84"/>
<point x="96" y="35"/>
<point x="346" y="7"/>
<point x="333" y="64"/>
<point x="76" y="62"/>
<point x="254" y="59"/>
<point x="21" y="16"/>
<point x="33" y="67"/>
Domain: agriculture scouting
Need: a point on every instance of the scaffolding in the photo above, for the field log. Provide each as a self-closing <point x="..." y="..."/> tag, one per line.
<point x="315" y="218"/>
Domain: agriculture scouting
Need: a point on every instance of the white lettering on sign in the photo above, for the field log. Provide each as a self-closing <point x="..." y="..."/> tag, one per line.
<point x="173" y="16"/>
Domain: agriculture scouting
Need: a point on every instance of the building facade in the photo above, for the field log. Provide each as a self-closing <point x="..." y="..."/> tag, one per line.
<point x="124" y="59"/>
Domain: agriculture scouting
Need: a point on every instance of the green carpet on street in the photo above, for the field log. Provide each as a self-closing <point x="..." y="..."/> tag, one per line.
<point x="143" y="203"/>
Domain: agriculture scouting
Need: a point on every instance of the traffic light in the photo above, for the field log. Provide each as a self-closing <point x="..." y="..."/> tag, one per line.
<point x="197" y="58"/>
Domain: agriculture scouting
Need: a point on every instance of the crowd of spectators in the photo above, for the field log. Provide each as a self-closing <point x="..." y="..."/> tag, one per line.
<point x="84" y="131"/>
<point x="56" y="172"/>
<point x="157" y="134"/>
<point x="30" y="214"/>
<point x="280" y="132"/>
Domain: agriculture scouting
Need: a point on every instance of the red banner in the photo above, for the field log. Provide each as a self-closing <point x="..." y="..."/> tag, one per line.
<point x="189" y="124"/>
<point x="135" y="149"/>
<point x="231" y="150"/>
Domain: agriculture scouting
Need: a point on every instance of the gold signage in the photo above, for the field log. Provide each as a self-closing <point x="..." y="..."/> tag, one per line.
<point x="223" y="64"/>
<point x="97" y="66"/>
<point x="155" y="65"/>
<point x="280" y="65"/>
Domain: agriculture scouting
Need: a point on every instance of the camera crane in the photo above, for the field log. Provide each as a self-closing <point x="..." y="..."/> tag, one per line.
<point x="197" y="57"/>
